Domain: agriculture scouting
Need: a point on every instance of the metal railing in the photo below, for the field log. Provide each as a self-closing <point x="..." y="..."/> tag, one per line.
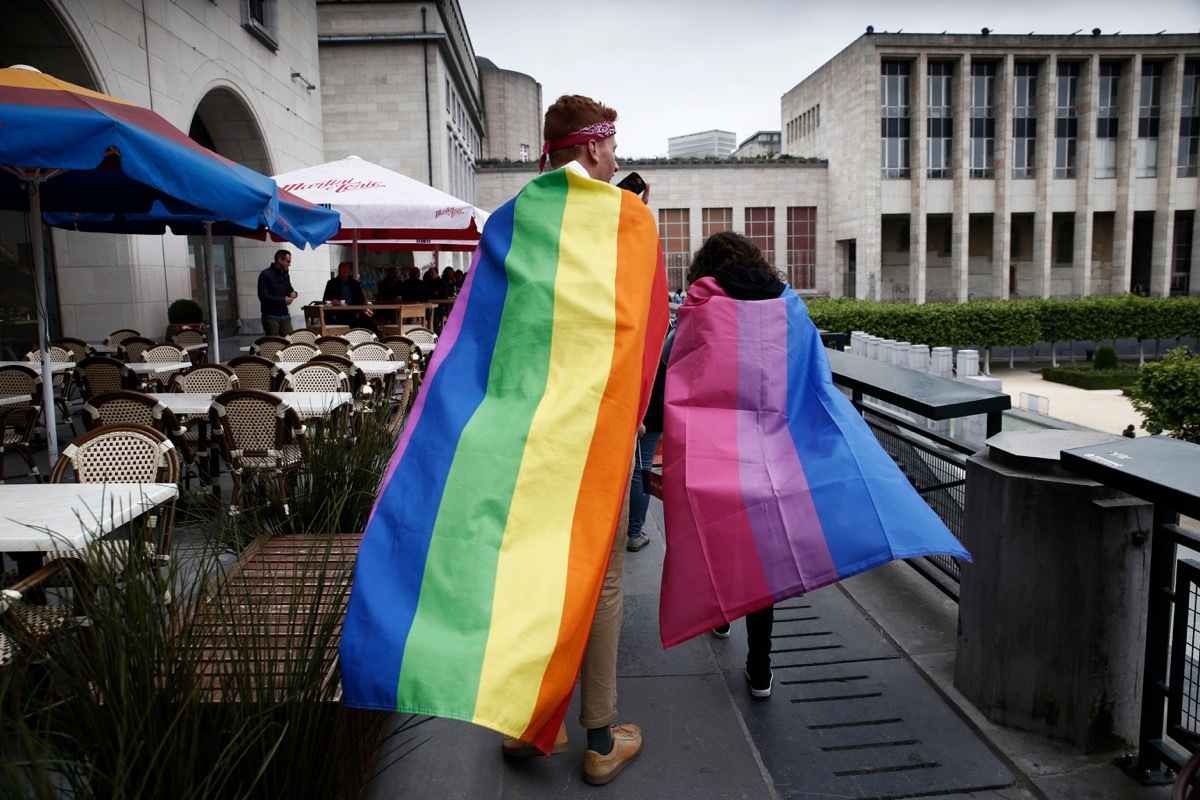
<point x="1164" y="472"/>
<point x="934" y="463"/>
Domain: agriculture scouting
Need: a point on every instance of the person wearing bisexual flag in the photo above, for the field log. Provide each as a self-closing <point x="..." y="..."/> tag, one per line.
<point x="773" y="484"/>
<point x="485" y="589"/>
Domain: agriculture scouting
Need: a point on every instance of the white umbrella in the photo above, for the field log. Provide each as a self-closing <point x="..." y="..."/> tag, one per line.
<point x="383" y="209"/>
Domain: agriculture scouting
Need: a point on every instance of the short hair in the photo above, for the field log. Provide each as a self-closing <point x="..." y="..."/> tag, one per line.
<point x="571" y="112"/>
<point x="279" y="253"/>
<point x="726" y="250"/>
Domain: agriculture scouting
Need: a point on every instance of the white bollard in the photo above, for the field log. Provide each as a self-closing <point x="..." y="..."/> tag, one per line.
<point x="968" y="363"/>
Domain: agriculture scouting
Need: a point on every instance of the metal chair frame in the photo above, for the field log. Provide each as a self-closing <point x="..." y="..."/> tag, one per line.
<point x="22" y="418"/>
<point x="255" y="427"/>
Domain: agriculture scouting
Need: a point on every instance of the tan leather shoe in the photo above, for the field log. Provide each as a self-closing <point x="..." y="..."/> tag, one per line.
<point x="627" y="743"/>
<point x="512" y="747"/>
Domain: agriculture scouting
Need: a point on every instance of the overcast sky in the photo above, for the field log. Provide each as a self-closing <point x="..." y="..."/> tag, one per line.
<point x="672" y="67"/>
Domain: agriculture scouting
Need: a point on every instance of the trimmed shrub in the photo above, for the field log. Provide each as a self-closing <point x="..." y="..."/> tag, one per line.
<point x="1106" y="358"/>
<point x="1168" y="395"/>
<point x="1086" y="378"/>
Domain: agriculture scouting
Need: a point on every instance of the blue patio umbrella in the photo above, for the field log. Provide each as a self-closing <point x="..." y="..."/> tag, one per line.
<point x="67" y="149"/>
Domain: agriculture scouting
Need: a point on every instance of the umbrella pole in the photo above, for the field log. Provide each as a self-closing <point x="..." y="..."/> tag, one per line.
<point x="214" y="339"/>
<point x="39" y="287"/>
<point x="354" y="256"/>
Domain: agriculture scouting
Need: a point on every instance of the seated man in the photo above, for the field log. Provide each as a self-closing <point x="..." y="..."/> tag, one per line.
<point x="346" y="291"/>
<point x="413" y="290"/>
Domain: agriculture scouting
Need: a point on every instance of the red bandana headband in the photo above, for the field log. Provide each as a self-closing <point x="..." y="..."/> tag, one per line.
<point x="591" y="133"/>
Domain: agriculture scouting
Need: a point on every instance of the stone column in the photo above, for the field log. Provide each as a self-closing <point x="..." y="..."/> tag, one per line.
<point x="1053" y="609"/>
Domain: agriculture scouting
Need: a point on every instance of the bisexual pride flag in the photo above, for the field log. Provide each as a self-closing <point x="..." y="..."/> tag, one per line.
<point x="773" y="484"/>
<point x="484" y="557"/>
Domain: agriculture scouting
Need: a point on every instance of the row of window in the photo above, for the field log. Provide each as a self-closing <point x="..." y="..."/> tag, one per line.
<point x="800" y="267"/>
<point x="804" y="124"/>
<point x="895" y="121"/>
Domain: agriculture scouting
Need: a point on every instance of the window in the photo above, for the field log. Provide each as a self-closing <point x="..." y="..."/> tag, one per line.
<point x="716" y="220"/>
<point x="1107" y="120"/>
<point x="760" y="229"/>
<point x="1024" y="119"/>
<point x="524" y="152"/>
<point x="802" y="247"/>
<point x="939" y="119"/>
<point x="1181" y="257"/>
<point x="894" y="120"/>
<point x="1189" y="122"/>
<point x="1064" y="239"/>
<point x="674" y="229"/>
<point x="1149" y="103"/>
<point x="983" y="120"/>
<point x="1066" y="120"/>
<point x="261" y="19"/>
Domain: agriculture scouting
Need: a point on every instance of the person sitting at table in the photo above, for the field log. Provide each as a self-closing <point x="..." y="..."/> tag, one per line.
<point x="346" y="291"/>
<point x="435" y="286"/>
<point x="388" y="290"/>
<point x="413" y="289"/>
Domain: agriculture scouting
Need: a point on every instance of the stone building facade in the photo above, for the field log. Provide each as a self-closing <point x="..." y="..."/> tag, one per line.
<point x="512" y="103"/>
<point x="1002" y="166"/>
<point x="237" y="84"/>
<point x="779" y="204"/>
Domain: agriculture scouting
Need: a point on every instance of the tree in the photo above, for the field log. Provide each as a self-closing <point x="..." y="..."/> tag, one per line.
<point x="1167" y="393"/>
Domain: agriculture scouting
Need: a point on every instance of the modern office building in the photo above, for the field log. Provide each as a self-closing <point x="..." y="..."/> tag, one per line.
<point x="706" y="144"/>
<point x="763" y="144"/>
<point x="1007" y="165"/>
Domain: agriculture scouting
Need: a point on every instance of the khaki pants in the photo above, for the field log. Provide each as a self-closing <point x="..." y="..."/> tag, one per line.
<point x="598" y="676"/>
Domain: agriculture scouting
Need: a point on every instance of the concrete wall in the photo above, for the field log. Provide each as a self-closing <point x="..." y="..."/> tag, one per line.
<point x="513" y="105"/>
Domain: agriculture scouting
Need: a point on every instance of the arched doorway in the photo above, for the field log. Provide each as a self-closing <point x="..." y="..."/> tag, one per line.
<point x="225" y="125"/>
<point x="32" y="34"/>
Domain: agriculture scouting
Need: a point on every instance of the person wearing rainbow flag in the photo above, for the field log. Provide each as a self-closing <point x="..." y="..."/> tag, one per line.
<point x="486" y="595"/>
<point x="580" y="136"/>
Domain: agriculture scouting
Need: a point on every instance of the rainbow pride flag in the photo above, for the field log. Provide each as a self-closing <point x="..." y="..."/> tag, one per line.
<point x="483" y="561"/>
<point x="773" y="485"/>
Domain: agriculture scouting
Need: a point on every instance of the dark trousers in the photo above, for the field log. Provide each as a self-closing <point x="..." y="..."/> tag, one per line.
<point x="758" y="639"/>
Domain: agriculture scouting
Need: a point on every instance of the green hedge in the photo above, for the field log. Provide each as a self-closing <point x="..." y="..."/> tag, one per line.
<point x="1086" y="378"/>
<point x="1012" y="323"/>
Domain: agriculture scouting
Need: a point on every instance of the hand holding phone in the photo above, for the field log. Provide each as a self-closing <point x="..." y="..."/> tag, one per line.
<point x="633" y="183"/>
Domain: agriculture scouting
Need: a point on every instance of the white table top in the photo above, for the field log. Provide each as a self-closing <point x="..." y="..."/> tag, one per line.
<point x="13" y="399"/>
<point x="191" y="348"/>
<point x="308" y="404"/>
<point x="367" y="367"/>
<point x="154" y="368"/>
<point x="64" y="516"/>
<point x="36" y="366"/>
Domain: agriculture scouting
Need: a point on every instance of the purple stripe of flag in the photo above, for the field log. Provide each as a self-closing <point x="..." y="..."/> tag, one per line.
<point x="774" y="486"/>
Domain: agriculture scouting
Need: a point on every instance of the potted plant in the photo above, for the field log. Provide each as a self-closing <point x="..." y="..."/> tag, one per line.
<point x="183" y="314"/>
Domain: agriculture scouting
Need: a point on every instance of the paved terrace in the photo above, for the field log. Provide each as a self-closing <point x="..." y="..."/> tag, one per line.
<point x="863" y="705"/>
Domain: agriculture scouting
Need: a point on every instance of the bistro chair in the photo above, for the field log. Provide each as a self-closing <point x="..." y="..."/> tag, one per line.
<point x="254" y="372"/>
<point x="323" y="376"/>
<point x="359" y="335"/>
<point x="77" y="349"/>
<point x="164" y="354"/>
<point x="29" y="625"/>
<point x="203" y="379"/>
<point x="333" y="345"/>
<point x="130" y="351"/>
<point x="371" y="351"/>
<point x="402" y="346"/>
<point x="304" y="335"/>
<point x="116" y="338"/>
<point x="297" y="352"/>
<point x="63" y="381"/>
<point x="123" y="405"/>
<point x="188" y="337"/>
<point x="96" y="374"/>
<point x="18" y="420"/>
<point x="123" y="452"/>
<point x="268" y="346"/>
<point x="255" y="430"/>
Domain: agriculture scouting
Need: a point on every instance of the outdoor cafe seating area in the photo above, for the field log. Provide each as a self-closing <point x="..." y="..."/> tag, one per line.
<point x="151" y="429"/>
